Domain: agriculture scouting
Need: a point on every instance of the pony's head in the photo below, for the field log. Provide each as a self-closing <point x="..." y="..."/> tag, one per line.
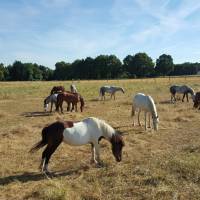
<point x="155" y="122"/>
<point x="117" y="145"/>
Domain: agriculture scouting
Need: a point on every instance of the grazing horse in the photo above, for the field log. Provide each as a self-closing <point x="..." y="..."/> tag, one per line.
<point x="183" y="89"/>
<point x="145" y="103"/>
<point x="197" y="100"/>
<point x="90" y="130"/>
<point x="50" y="99"/>
<point x="73" y="88"/>
<point x="72" y="98"/>
<point x="109" y="89"/>
<point x="57" y="89"/>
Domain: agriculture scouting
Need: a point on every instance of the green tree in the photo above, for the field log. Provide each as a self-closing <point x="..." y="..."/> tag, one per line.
<point x="140" y="65"/>
<point x="164" y="65"/>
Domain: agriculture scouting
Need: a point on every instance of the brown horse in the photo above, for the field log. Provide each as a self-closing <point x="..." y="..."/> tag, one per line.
<point x="57" y="89"/>
<point x="88" y="131"/>
<point x="197" y="100"/>
<point x="69" y="97"/>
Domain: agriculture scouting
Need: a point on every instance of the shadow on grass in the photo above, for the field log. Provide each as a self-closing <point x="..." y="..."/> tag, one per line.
<point x="33" y="176"/>
<point x="165" y="102"/>
<point x="36" y="114"/>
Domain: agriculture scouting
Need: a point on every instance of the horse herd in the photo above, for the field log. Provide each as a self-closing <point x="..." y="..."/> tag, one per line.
<point x="91" y="130"/>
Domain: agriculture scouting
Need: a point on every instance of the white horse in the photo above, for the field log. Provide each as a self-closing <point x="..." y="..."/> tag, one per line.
<point x="183" y="89"/>
<point x="90" y="130"/>
<point x="50" y="99"/>
<point x="109" y="89"/>
<point x="145" y="103"/>
<point x="73" y="88"/>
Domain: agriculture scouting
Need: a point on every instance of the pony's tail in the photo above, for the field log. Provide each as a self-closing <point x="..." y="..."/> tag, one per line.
<point x="82" y="103"/>
<point x="41" y="143"/>
<point x="100" y="93"/>
<point x="58" y="102"/>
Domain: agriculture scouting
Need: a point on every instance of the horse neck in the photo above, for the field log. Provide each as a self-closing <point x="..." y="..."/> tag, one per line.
<point x="47" y="100"/>
<point x="118" y="89"/>
<point x="191" y="91"/>
<point x="107" y="130"/>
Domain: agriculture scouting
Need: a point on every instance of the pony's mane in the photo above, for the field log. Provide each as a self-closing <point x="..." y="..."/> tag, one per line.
<point x="191" y="91"/>
<point x="106" y="128"/>
<point x="152" y="106"/>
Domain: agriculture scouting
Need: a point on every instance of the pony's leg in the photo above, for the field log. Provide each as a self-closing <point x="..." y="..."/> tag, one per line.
<point x="96" y="154"/>
<point x="47" y="153"/>
<point x="183" y="97"/>
<point x="187" y="97"/>
<point x="51" y="107"/>
<point x="76" y="107"/>
<point x="139" y="118"/>
<point x="133" y="114"/>
<point x="93" y="153"/>
<point x="149" y="121"/>
<point x="61" y="107"/>
<point x="171" y="98"/>
<point x="145" y="120"/>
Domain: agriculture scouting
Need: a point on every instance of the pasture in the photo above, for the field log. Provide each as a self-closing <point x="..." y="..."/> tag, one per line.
<point x="155" y="165"/>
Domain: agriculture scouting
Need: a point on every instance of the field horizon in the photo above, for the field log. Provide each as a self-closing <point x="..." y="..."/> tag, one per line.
<point x="155" y="165"/>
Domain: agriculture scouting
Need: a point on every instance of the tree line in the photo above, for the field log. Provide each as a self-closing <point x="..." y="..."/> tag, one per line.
<point x="102" y="67"/>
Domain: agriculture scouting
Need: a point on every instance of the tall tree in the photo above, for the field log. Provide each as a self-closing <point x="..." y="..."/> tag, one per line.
<point x="139" y="65"/>
<point x="164" y="65"/>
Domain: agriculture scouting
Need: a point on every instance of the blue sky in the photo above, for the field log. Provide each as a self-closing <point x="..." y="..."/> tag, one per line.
<point x="48" y="31"/>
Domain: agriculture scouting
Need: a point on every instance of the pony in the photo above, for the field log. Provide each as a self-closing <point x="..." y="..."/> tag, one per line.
<point x="197" y="100"/>
<point x="73" y="88"/>
<point x="57" y="89"/>
<point x="70" y="98"/>
<point x="50" y="99"/>
<point x="145" y="103"/>
<point x="88" y="131"/>
<point x="183" y="89"/>
<point x="109" y="89"/>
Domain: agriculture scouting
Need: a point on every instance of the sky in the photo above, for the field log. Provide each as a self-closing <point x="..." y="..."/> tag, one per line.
<point x="49" y="31"/>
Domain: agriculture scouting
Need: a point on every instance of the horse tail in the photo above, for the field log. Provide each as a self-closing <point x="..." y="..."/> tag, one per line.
<point x="101" y="92"/>
<point x="82" y="103"/>
<point x="58" y="102"/>
<point x="41" y="143"/>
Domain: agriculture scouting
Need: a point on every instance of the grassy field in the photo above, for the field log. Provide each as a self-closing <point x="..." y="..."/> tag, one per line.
<point x="155" y="165"/>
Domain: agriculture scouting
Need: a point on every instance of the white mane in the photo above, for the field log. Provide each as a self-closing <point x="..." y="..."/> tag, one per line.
<point x="152" y="106"/>
<point x="107" y="130"/>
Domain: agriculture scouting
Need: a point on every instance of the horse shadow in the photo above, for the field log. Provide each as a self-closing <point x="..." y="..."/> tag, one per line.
<point x="36" y="114"/>
<point x="165" y="102"/>
<point x="34" y="176"/>
<point x="95" y="99"/>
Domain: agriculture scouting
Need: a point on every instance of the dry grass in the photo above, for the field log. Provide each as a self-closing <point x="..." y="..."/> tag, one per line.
<point x="161" y="165"/>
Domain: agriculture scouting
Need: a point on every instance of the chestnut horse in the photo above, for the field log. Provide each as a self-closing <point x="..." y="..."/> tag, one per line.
<point x="197" y="100"/>
<point x="88" y="131"/>
<point x="69" y="97"/>
<point x="57" y="89"/>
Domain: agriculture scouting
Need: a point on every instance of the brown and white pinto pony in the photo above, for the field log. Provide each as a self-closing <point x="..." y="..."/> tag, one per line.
<point x="90" y="130"/>
<point x="70" y="98"/>
<point x="57" y="89"/>
<point x="197" y="100"/>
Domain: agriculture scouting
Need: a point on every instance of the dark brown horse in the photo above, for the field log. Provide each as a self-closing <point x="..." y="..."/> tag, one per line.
<point x="70" y="98"/>
<point x="90" y="130"/>
<point x="197" y="100"/>
<point x="57" y="89"/>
